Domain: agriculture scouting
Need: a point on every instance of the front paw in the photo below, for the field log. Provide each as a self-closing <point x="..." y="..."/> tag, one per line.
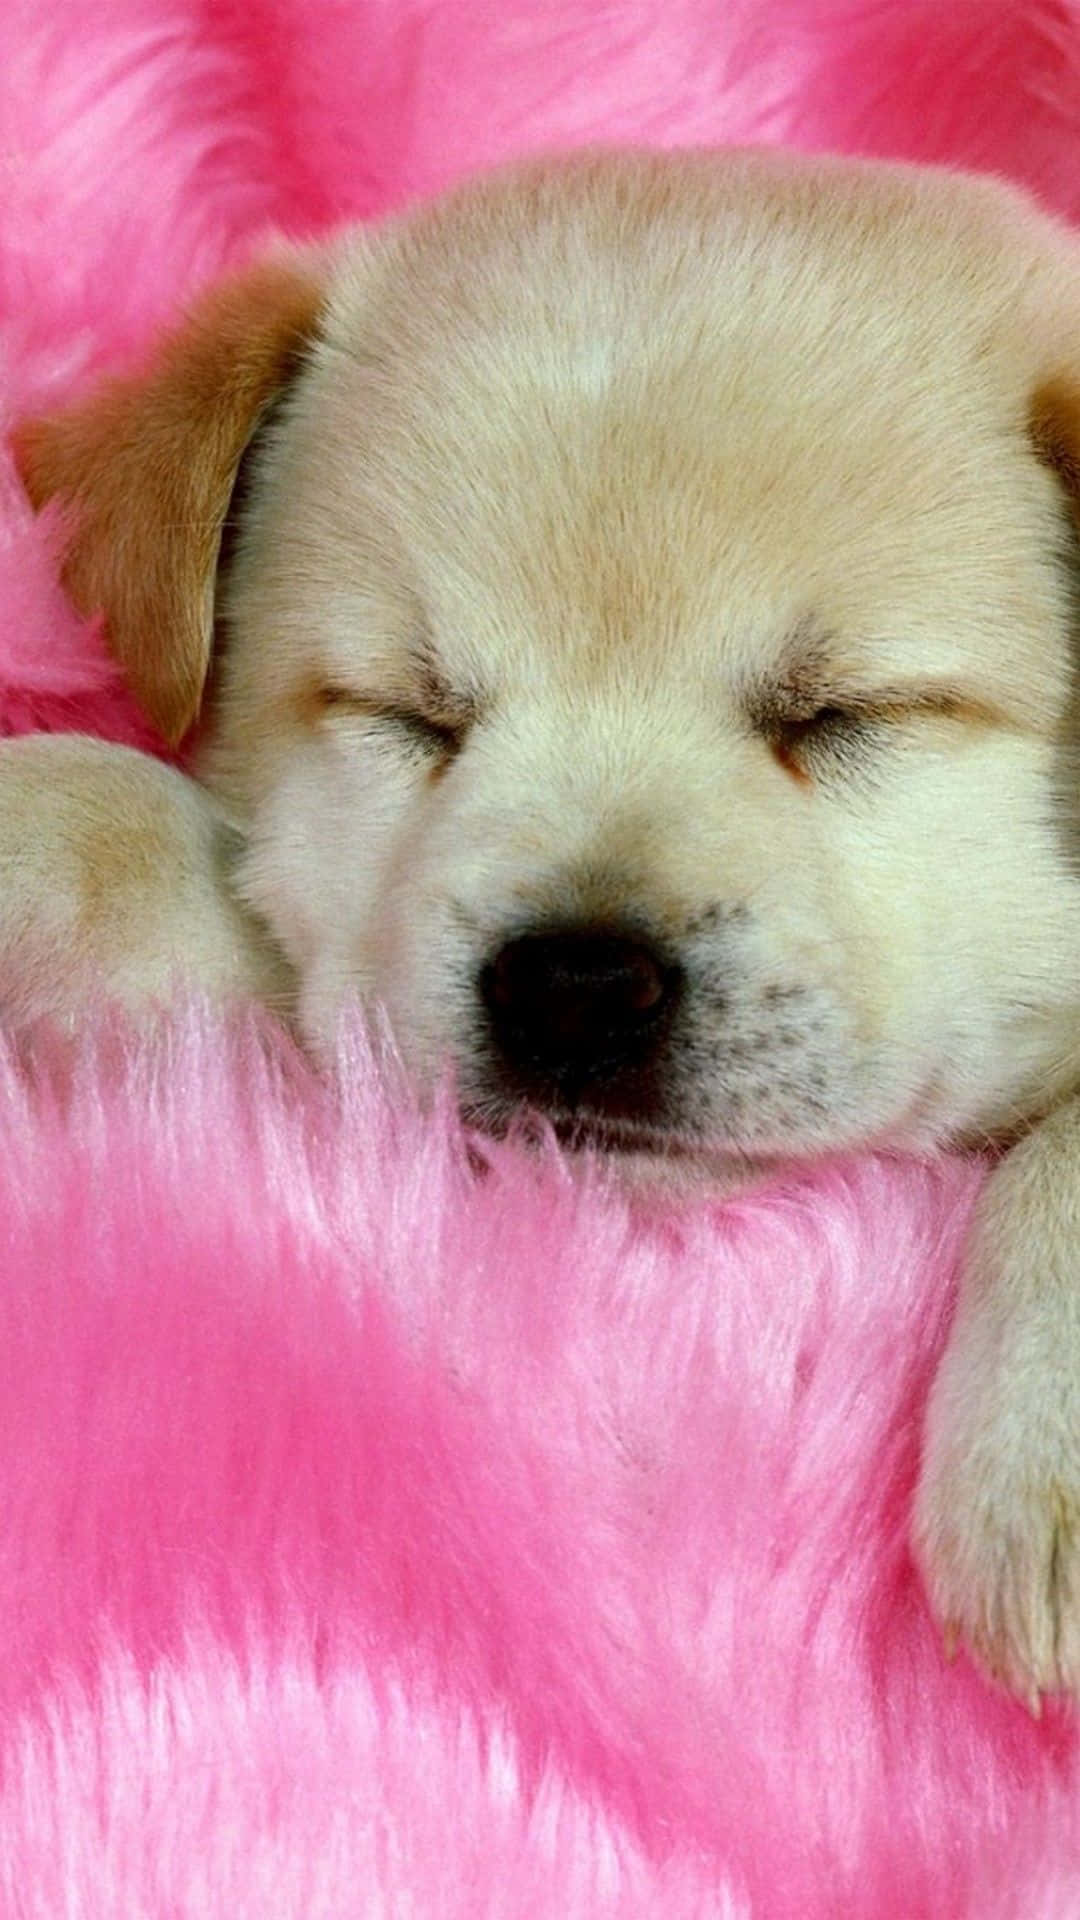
<point x="997" y="1517"/>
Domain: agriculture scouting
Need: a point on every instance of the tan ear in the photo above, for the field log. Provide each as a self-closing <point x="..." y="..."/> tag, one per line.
<point x="1055" y="432"/>
<point x="148" y="464"/>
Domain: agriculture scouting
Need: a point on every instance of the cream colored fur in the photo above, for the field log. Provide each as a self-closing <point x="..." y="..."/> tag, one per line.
<point x="683" y="542"/>
<point x="113" y="886"/>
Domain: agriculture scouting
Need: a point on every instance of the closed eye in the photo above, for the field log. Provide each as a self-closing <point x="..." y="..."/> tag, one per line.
<point x="797" y="740"/>
<point x="843" y="734"/>
<point x="434" y="736"/>
<point x="822" y="722"/>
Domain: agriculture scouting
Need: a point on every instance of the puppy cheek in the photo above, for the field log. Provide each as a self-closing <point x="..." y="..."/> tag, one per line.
<point x="345" y="866"/>
<point x="319" y="851"/>
<point x="427" y="986"/>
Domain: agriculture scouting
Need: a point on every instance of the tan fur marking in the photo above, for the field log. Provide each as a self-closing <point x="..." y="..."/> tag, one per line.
<point x="1055" y="431"/>
<point x="118" y="870"/>
<point x="149" y="463"/>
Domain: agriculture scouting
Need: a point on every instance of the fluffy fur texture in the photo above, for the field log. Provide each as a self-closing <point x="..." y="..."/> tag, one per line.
<point x="459" y="1537"/>
<point x="378" y="1538"/>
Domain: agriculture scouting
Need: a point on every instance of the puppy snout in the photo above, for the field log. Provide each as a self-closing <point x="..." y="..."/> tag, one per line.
<point x="575" y="1008"/>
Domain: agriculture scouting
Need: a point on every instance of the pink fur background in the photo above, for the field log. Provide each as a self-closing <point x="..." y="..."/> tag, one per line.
<point x="376" y="1539"/>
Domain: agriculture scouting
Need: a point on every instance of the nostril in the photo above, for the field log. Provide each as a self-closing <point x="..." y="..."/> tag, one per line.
<point x="644" y="981"/>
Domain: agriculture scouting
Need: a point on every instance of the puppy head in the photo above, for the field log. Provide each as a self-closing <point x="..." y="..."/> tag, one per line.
<point x="648" y="649"/>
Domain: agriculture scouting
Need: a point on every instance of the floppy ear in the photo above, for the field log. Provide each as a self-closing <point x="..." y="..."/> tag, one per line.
<point x="148" y="464"/>
<point x="1055" y="431"/>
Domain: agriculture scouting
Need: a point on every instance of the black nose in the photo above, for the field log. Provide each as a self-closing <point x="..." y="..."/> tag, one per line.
<point x="577" y="1010"/>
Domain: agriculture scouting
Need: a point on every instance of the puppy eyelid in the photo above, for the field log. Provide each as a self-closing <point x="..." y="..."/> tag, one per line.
<point x="436" y="736"/>
<point x="433" y="735"/>
<point x="793" y="737"/>
<point x="793" y="734"/>
<point x="780" y="705"/>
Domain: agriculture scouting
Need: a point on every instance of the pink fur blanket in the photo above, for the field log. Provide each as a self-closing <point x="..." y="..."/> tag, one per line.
<point x="378" y="1539"/>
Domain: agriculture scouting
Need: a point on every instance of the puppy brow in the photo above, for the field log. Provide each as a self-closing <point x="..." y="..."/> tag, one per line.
<point x="947" y="701"/>
<point x="455" y="707"/>
<point x="800" y="681"/>
<point x="788" y="702"/>
<point x="452" y="706"/>
<point x="809" y="676"/>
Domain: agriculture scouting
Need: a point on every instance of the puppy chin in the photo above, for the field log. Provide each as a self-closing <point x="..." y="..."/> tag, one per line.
<point x="657" y="1181"/>
<point x="654" y="1177"/>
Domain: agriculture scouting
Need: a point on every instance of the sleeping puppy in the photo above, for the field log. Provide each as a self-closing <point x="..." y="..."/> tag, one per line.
<point x="644" y="662"/>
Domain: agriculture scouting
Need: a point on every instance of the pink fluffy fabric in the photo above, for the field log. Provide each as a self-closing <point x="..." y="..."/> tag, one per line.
<point x="381" y="1538"/>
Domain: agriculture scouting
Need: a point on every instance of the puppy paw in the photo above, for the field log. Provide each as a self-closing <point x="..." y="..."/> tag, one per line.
<point x="1003" y="1572"/>
<point x="997" y="1519"/>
